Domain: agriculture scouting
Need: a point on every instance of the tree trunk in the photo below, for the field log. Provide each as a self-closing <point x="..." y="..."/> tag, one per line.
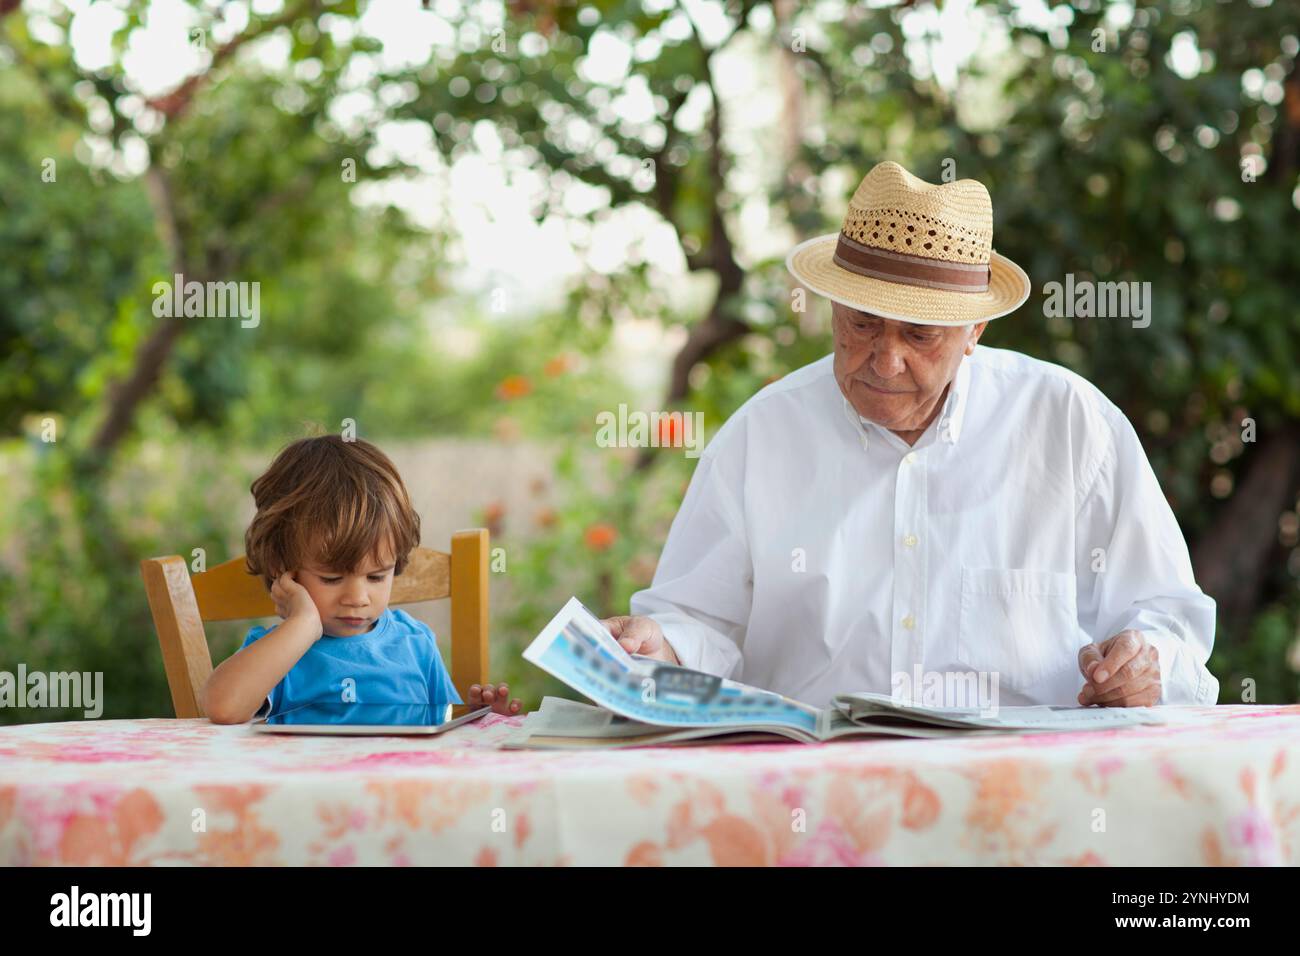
<point x="1231" y="558"/>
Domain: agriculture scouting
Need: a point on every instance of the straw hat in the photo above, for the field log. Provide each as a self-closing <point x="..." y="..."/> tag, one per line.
<point x="914" y="251"/>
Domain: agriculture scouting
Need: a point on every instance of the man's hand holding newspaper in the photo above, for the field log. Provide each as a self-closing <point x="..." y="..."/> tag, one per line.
<point x="640" y="635"/>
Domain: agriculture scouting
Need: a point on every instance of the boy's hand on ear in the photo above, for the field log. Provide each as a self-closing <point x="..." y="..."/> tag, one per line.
<point x="497" y="698"/>
<point x="292" y="602"/>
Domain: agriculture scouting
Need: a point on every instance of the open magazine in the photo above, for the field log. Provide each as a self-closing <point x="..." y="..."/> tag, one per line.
<point x="640" y="701"/>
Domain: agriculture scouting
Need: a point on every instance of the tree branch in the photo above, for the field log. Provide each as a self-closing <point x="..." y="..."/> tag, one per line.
<point x="718" y="328"/>
<point x="174" y="104"/>
<point x="125" y="396"/>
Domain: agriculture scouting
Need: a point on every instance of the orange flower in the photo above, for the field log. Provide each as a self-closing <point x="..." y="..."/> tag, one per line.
<point x="600" y="536"/>
<point x="492" y="515"/>
<point x="557" y="366"/>
<point x="670" y="430"/>
<point x="546" y="518"/>
<point x="514" y="386"/>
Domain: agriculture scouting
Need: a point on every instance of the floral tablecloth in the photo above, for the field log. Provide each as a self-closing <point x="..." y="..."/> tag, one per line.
<point x="1220" y="787"/>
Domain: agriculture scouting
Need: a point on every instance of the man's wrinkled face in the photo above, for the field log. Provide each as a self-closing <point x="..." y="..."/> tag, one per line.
<point x="895" y="373"/>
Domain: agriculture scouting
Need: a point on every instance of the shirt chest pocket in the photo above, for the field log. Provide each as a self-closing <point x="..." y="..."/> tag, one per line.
<point x="1020" y="624"/>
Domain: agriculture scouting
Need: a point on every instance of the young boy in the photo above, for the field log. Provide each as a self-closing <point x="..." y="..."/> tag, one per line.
<point x="334" y="525"/>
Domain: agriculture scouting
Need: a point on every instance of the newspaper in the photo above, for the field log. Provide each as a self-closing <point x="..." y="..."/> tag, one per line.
<point x="640" y="701"/>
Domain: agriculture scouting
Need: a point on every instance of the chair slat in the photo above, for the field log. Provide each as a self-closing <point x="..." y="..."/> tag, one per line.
<point x="469" y="612"/>
<point x="186" y="657"/>
<point x="229" y="593"/>
<point x="427" y="577"/>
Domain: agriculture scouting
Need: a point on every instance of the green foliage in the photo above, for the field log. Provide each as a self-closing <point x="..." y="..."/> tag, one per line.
<point x="1105" y="164"/>
<point x="1252" y="665"/>
<point x="71" y="596"/>
<point x="600" y="544"/>
<point x="75" y="253"/>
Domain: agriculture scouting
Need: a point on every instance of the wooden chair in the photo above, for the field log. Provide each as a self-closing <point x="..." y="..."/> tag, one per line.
<point x="181" y="603"/>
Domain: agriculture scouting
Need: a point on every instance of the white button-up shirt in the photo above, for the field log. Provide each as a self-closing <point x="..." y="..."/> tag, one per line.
<point x="817" y="553"/>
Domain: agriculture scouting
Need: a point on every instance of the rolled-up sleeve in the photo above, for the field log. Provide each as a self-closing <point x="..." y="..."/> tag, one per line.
<point x="703" y="585"/>
<point x="1134" y="571"/>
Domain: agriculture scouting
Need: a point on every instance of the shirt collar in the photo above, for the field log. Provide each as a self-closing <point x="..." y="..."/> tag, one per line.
<point x="950" y="417"/>
<point x="954" y="410"/>
<point x="857" y="421"/>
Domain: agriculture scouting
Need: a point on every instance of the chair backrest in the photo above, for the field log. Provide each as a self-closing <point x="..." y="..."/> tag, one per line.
<point x="181" y="602"/>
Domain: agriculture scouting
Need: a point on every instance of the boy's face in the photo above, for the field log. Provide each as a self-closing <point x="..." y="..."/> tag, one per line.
<point x="349" y="603"/>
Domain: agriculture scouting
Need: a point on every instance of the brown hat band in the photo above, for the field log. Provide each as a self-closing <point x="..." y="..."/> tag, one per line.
<point x="910" y="270"/>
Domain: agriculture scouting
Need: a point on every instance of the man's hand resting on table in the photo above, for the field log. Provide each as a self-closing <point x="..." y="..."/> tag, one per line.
<point x="641" y="635"/>
<point x="1121" y="671"/>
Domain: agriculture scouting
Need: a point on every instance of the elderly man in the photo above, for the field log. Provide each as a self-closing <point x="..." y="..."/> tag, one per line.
<point x="916" y="503"/>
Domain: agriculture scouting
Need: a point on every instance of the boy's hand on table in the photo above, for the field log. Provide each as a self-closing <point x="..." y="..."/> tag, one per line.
<point x="292" y="602"/>
<point x="497" y="698"/>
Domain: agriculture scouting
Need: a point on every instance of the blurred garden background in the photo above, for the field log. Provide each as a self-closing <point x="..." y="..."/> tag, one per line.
<point x="477" y="225"/>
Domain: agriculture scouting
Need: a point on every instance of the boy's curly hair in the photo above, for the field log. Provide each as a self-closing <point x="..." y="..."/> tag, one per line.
<point x="333" y="503"/>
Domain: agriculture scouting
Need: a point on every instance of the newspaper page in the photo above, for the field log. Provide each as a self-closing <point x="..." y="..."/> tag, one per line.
<point x="569" y="724"/>
<point x="862" y="707"/>
<point x="575" y="648"/>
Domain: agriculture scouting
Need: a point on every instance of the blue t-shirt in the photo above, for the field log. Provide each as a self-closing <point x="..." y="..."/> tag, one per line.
<point x="391" y="674"/>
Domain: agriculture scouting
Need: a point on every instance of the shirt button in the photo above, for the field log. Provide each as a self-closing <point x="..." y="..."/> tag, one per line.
<point x="909" y="457"/>
<point x="910" y="541"/>
<point x="909" y="622"/>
